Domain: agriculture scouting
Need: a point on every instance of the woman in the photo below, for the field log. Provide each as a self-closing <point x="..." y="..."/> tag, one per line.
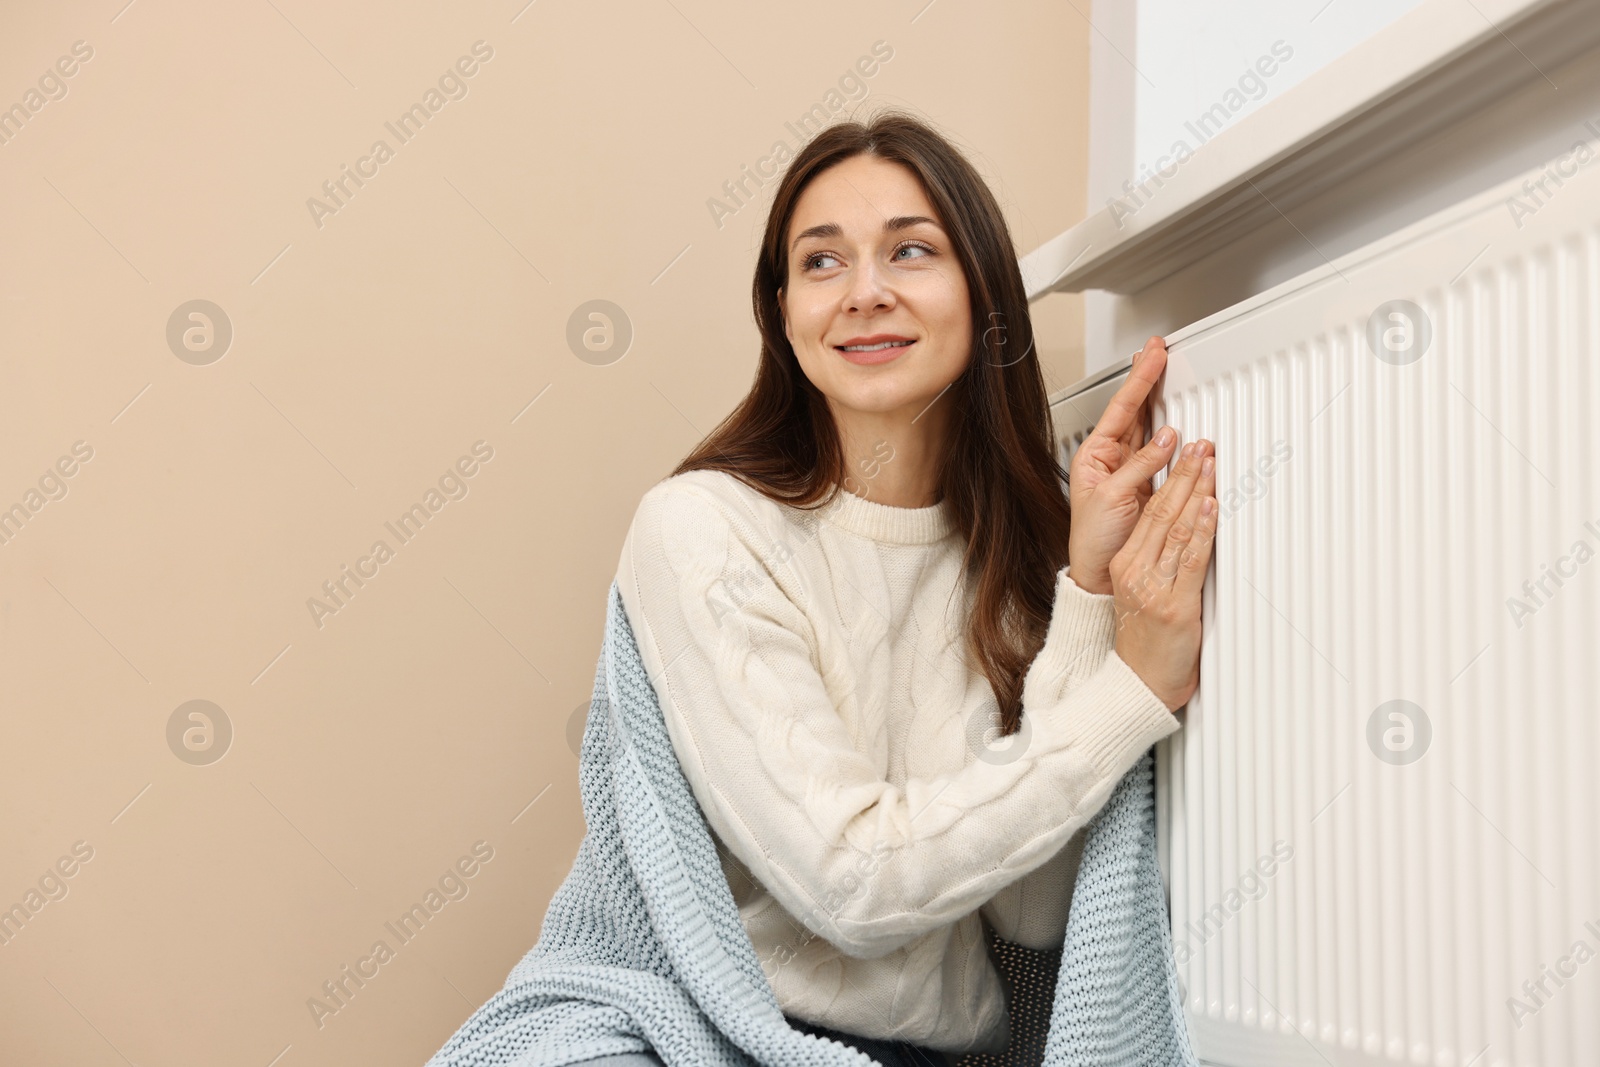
<point x="862" y="572"/>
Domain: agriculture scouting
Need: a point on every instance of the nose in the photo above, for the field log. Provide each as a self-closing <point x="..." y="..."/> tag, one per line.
<point x="869" y="289"/>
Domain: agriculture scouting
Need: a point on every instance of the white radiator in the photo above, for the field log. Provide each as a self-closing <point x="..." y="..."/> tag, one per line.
<point x="1379" y="823"/>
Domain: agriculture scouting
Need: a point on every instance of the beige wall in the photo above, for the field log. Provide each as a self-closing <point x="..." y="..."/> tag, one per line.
<point x="188" y="507"/>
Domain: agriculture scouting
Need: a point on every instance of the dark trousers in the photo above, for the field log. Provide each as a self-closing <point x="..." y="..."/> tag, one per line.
<point x="888" y="1053"/>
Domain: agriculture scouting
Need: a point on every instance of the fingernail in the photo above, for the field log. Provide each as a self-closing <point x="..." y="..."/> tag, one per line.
<point x="1164" y="438"/>
<point x="1208" y="466"/>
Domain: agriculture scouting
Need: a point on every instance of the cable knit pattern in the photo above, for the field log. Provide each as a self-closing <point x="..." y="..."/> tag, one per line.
<point x="642" y="946"/>
<point x="812" y="672"/>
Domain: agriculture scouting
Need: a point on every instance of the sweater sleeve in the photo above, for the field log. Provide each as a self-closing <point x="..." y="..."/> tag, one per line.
<point x="1032" y="911"/>
<point x="865" y="864"/>
<point x="1087" y="632"/>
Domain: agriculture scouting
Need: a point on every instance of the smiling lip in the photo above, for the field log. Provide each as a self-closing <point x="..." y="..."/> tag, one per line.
<point x="882" y="355"/>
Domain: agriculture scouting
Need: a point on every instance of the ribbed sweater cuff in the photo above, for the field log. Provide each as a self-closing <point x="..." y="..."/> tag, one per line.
<point x="1110" y="720"/>
<point x="1082" y="630"/>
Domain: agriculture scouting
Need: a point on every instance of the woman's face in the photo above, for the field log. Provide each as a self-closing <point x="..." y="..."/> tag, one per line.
<point x="868" y="260"/>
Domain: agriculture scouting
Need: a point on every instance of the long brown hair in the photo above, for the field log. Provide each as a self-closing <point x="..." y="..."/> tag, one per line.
<point x="1000" y="477"/>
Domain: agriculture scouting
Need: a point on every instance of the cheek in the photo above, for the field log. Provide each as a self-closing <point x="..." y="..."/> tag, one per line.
<point x="953" y="328"/>
<point x="943" y="305"/>
<point x="955" y="353"/>
<point x="817" y="362"/>
<point x="806" y="325"/>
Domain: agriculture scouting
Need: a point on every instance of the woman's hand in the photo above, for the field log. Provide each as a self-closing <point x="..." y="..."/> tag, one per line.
<point x="1109" y="480"/>
<point x="1157" y="577"/>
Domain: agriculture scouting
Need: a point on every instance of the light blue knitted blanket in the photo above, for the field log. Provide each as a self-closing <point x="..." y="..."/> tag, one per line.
<point x="642" y="945"/>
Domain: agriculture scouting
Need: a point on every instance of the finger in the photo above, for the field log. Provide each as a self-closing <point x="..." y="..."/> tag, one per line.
<point x="1205" y="485"/>
<point x="1133" y="437"/>
<point x="1165" y="506"/>
<point x="1180" y="535"/>
<point x="1141" y="466"/>
<point x="1123" y="409"/>
<point x="1194" y="563"/>
<point x="1133" y="440"/>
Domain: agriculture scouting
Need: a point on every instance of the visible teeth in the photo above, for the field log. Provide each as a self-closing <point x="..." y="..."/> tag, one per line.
<point x="876" y="347"/>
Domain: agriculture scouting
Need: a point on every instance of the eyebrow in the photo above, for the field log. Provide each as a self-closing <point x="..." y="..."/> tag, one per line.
<point x="890" y="225"/>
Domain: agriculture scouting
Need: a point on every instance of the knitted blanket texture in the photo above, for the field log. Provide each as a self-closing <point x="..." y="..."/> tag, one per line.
<point x="642" y="946"/>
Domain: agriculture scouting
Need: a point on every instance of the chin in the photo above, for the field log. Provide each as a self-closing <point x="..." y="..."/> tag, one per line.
<point x="882" y="401"/>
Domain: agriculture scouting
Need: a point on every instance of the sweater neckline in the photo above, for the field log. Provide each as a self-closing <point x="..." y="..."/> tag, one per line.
<point x="886" y="522"/>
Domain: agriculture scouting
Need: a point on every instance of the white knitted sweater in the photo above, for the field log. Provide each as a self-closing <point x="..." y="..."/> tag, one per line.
<point x="811" y="673"/>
